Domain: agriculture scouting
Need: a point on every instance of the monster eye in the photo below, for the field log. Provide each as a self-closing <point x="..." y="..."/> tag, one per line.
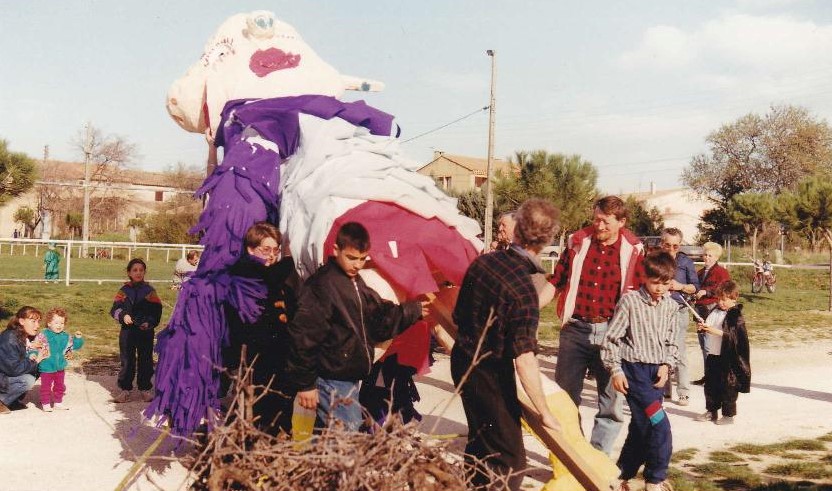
<point x="264" y="22"/>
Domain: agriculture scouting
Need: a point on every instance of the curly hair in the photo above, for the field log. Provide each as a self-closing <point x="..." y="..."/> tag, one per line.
<point x="537" y="223"/>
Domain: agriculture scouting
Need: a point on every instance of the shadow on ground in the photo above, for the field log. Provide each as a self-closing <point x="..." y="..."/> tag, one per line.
<point x="135" y="434"/>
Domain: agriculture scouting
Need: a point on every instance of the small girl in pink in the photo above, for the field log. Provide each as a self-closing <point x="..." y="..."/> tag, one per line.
<point x="60" y="346"/>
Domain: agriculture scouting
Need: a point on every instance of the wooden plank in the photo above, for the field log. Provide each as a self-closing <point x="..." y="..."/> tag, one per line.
<point x="562" y="449"/>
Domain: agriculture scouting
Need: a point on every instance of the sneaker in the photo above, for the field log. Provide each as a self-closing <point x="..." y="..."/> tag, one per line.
<point x="4" y="409"/>
<point x="706" y="416"/>
<point x="683" y="401"/>
<point x="662" y="486"/>
<point x="122" y="396"/>
<point x="147" y="395"/>
<point x="701" y="381"/>
<point x="60" y="406"/>
<point x="623" y="485"/>
<point x="725" y="420"/>
<point x="47" y="408"/>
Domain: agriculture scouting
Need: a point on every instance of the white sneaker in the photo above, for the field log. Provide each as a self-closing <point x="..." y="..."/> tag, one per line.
<point x="60" y="406"/>
<point x="147" y="395"/>
<point x="122" y="396"/>
<point x="662" y="486"/>
<point x="47" y="408"/>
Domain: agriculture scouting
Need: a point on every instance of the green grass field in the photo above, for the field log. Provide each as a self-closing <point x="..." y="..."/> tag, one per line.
<point x="794" y="313"/>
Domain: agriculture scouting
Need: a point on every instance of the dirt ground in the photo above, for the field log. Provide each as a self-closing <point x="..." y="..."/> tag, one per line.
<point x="95" y="443"/>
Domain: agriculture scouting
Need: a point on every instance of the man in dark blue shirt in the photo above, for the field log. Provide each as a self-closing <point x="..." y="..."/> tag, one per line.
<point x="686" y="282"/>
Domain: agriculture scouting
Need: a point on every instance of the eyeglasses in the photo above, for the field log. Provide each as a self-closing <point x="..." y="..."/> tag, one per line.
<point x="266" y="251"/>
<point x="675" y="247"/>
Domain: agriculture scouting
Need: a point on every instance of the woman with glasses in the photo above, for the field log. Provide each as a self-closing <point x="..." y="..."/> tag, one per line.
<point x="264" y="336"/>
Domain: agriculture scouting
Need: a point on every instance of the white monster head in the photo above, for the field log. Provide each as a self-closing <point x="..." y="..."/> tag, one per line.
<point x="255" y="56"/>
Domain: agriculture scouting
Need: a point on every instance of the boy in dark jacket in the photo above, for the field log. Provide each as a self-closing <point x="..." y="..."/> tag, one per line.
<point x="138" y="310"/>
<point x="728" y="365"/>
<point x="339" y="319"/>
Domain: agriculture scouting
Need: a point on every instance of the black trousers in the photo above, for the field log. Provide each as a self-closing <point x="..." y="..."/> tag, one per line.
<point x="718" y="394"/>
<point x="135" y="349"/>
<point x="489" y="397"/>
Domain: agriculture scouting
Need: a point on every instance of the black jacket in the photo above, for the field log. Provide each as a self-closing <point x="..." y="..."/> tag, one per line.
<point x="267" y="335"/>
<point x="735" y="352"/>
<point x="339" y="319"/>
<point x="13" y="359"/>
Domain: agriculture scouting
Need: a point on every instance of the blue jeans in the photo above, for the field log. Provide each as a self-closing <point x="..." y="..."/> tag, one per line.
<point x="682" y="369"/>
<point x="338" y="401"/>
<point x="579" y="350"/>
<point x="17" y="387"/>
<point x="649" y="440"/>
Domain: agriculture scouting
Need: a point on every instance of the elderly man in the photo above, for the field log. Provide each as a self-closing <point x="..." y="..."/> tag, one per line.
<point x="600" y="263"/>
<point x="498" y="307"/>
<point x="686" y="282"/>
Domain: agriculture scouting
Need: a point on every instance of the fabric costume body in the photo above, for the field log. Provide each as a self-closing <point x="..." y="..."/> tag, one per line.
<point x="590" y="278"/>
<point x="17" y="370"/>
<point x="51" y="261"/>
<point x="339" y="319"/>
<point x="266" y="338"/>
<point x="52" y="369"/>
<point x="498" y="282"/>
<point x="295" y="156"/>
<point x="642" y="337"/>
<point x="728" y="372"/>
<point x="140" y="301"/>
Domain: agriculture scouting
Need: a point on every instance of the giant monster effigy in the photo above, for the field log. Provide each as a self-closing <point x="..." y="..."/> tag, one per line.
<point x="295" y="155"/>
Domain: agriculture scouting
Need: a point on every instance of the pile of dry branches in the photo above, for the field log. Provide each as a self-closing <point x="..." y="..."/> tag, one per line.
<point x="237" y="455"/>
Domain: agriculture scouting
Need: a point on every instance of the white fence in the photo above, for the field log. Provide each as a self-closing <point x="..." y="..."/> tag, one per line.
<point x="95" y="250"/>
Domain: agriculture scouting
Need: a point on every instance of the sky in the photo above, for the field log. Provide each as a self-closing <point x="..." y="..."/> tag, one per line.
<point x="633" y="87"/>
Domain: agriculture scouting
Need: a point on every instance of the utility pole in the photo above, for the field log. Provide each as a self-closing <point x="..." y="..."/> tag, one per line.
<point x="489" y="180"/>
<point x="45" y="219"/>
<point x="85" y="232"/>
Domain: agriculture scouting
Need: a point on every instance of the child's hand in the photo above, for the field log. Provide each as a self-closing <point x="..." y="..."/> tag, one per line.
<point x="128" y="321"/>
<point x="701" y="327"/>
<point x="663" y="371"/>
<point x="619" y="383"/>
<point x="78" y="334"/>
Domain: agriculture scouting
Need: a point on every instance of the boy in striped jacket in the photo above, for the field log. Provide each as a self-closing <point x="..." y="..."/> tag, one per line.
<point x="638" y="351"/>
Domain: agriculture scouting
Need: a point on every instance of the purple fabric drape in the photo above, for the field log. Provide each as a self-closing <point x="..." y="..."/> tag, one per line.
<point x="243" y="190"/>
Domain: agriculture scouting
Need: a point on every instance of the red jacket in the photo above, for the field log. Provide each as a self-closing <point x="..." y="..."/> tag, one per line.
<point x="632" y="252"/>
<point x="710" y="282"/>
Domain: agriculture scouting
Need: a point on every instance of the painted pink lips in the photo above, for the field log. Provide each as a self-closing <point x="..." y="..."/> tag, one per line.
<point x="265" y="62"/>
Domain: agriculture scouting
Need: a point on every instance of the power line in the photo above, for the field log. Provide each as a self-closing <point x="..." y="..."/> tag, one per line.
<point x="447" y="124"/>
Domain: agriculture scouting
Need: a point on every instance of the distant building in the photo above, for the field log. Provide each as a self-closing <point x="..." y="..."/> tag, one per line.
<point x="458" y="173"/>
<point x="136" y="193"/>
<point x="678" y="207"/>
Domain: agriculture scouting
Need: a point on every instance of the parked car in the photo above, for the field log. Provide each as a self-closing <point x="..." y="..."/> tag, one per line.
<point x="693" y="251"/>
<point x="552" y="251"/>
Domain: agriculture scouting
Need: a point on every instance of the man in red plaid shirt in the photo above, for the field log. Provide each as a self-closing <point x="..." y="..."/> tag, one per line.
<point x="600" y="263"/>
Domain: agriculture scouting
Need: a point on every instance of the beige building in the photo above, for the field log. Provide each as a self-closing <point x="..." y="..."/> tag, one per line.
<point x="458" y="173"/>
<point x="679" y="208"/>
<point x="116" y="197"/>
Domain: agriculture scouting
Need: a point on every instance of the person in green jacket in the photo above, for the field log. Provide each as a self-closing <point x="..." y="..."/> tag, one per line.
<point x="51" y="261"/>
<point x="52" y="369"/>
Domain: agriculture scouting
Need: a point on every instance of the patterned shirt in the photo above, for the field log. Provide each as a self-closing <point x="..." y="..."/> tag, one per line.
<point x="642" y="330"/>
<point x="600" y="283"/>
<point x="499" y="281"/>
